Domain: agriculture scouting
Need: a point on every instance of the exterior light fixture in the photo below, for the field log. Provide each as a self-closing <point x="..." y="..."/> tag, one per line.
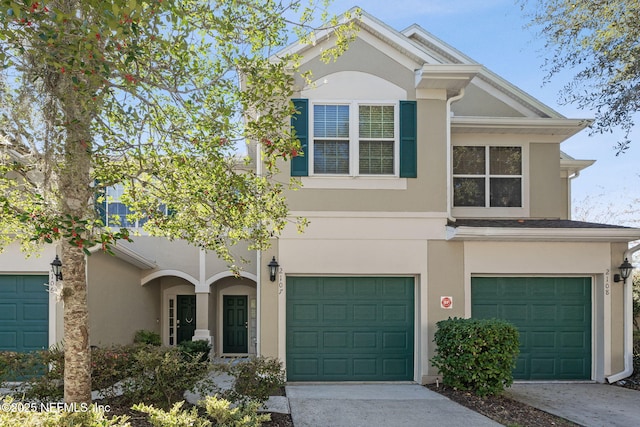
<point x="625" y="271"/>
<point x="56" y="267"/>
<point x="273" y="269"/>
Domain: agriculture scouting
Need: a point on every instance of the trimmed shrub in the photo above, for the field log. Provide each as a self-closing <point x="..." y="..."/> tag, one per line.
<point x="195" y="349"/>
<point x="476" y="354"/>
<point x="255" y="379"/>
<point x="143" y="336"/>
<point x="131" y="374"/>
<point x="160" y="376"/>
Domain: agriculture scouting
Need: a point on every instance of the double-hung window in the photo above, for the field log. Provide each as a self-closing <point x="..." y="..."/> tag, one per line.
<point x="115" y="213"/>
<point x="355" y="139"/>
<point x="487" y="176"/>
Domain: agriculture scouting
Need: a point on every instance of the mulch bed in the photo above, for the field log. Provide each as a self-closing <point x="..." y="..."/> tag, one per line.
<point x="502" y="409"/>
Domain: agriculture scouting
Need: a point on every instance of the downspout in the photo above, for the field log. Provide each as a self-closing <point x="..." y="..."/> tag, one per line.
<point x="449" y="150"/>
<point x="569" y="179"/>
<point x="628" y="324"/>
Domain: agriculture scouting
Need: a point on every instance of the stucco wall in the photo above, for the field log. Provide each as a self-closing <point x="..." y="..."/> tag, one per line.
<point x="118" y="304"/>
<point x="546" y="187"/>
<point x="446" y="278"/>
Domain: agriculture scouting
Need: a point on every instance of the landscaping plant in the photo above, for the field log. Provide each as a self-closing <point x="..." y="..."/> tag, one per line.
<point x="255" y="379"/>
<point x="476" y="354"/>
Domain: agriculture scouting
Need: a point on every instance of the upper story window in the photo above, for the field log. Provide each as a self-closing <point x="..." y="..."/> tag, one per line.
<point x="354" y="139"/>
<point x="487" y="176"/>
<point x="114" y="213"/>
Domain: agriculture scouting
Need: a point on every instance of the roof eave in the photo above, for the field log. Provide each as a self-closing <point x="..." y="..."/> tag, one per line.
<point x="621" y="235"/>
<point x="558" y="126"/>
<point x="129" y="255"/>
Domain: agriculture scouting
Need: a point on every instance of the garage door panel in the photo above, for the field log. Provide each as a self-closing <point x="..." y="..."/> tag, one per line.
<point x="364" y="312"/>
<point x="512" y="311"/>
<point x="335" y="339"/>
<point x="302" y="339"/>
<point x="8" y="341"/>
<point x="367" y="336"/>
<point x="36" y="312"/>
<point x="396" y="367"/>
<point x="365" y="366"/>
<point x="305" y="312"/>
<point x="554" y="322"/>
<point x="395" y="312"/>
<point x="334" y="312"/>
<point x="8" y="312"/>
<point x="365" y="340"/>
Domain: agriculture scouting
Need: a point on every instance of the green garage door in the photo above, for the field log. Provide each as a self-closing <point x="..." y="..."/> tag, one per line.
<point x="350" y="328"/>
<point x="24" y="313"/>
<point x="553" y="316"/>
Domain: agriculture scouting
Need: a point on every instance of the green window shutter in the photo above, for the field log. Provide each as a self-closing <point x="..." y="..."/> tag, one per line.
<point x="300" y="123"/>
<point x="408" y="139"/>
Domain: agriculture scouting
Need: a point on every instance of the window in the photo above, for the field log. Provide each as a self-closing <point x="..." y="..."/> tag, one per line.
<point x="114" y="213"/>
<point x="331" y="139"/>
<point x="354" y="137"/>
<point x="376" y="132"/>
<point x="487" y="176"/>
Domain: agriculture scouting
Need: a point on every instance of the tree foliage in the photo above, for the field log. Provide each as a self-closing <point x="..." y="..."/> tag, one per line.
<point x="155" y="95"/>
<point x="599" y="41"/>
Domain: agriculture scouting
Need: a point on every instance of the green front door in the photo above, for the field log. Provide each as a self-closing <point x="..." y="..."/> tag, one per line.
<point x="186" y="320"/>
<point x="24" y="313"/>
<point x="235" y="324"/>
<point x="553" y="316"/>
<point x="350" y="328"/>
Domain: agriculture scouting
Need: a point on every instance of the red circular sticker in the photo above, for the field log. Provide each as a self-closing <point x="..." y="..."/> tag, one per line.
<point x="446" y="302"/>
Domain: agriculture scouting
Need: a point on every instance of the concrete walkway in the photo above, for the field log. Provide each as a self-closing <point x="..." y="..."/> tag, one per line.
<point x="373" y="405"/>
<point x="591" y="405"/>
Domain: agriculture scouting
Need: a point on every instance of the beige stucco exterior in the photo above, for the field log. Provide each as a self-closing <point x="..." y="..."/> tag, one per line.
<point x="384" y="225"/>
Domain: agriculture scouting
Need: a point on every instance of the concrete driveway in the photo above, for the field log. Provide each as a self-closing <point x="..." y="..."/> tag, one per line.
<point x="591" y="405"/>
<point x="372" y="405"/>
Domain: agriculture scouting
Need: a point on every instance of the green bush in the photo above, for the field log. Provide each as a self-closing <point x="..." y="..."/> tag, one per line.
<point x="195" y="349"/>
<point x="218" y="409"/>
<point x="20" y="366"/>
<point x="255" y="379"/>
<point x="132" y="374"/>
<point x="476" y="354"/>
<point x="161" y="375"/>
<point x="143" y="336"/>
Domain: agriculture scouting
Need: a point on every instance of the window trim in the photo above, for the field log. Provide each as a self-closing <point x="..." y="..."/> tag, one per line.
<point x="354" y="138"/>
<point x="106" y="216"/>
<point x="487" y="211"/>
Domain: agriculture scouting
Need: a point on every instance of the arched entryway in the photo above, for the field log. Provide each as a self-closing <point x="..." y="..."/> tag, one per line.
<point x="234" y="300"/>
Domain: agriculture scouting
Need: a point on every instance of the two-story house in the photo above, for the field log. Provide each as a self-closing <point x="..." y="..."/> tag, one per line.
<point x="433" y="189"/>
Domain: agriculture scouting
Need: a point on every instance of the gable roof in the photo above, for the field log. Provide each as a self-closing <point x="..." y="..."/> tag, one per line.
<point x="433" y="58"/>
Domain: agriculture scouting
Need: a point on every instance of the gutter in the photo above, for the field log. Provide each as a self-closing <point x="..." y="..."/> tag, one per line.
<point x="449" y="153"/>
<point x="628" y="322"/>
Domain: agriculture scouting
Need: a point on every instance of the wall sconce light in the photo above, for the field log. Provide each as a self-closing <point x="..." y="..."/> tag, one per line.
<point x="56" y="267"/>
<point x="625" y="271"/>
<point x="273" y="269"/>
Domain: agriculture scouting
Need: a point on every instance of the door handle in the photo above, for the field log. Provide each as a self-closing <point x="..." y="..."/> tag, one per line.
<point x="246" y="326"/>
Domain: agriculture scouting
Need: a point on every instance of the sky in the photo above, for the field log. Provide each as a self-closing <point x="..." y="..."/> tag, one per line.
<point x="493" y="33"/>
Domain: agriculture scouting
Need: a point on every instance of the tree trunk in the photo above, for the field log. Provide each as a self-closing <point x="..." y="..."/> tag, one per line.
<point x="77" y="352"/>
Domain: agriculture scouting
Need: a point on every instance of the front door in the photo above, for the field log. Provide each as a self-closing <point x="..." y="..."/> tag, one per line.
<point x="235" y="324"/>
<point x="186" y="320"/>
